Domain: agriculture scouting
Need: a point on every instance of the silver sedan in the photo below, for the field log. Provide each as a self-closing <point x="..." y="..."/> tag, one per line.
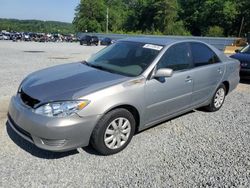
<point x="127" y="87"/>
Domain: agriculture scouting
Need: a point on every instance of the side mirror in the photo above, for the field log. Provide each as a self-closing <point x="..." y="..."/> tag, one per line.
<point x="163" y="73"/>
<point x="237" y="51"/>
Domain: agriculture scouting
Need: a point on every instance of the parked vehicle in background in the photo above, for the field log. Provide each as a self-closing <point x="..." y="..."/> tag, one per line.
<point x="236" y="45"/>
<point x="89" y="40"/>
<point x="6" y="36"/>
<point x="85" y="40"/>
<point x="26" y="37"/>
<point x="68" y="38"/>
<point x="106" y="41"/>
<point x="56" y="37"/>
<point x="16" y="36"/>
<point x="128" y="86"/>
<point x="95" y="40"/>
<point x="243" y="56"/>
<point x="37" y="37"/>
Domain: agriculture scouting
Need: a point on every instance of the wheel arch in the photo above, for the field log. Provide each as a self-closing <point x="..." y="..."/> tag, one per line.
<point x="227" y="85"/>
<point x="133" y="110"/>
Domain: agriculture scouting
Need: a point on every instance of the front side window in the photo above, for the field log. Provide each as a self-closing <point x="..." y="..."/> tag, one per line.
<point x="177" y="57"/>
<point x="125" y="58"/>
<point x="202" y="55"/>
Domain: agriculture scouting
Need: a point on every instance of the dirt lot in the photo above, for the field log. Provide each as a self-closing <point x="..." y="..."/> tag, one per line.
<point x="198" y="149"/>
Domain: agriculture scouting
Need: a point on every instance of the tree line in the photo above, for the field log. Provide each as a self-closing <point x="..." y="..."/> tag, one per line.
<point x="36" y="26"/>
<point x="168" y="17"/>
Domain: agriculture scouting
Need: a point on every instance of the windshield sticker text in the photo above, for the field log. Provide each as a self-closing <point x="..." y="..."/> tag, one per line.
<point x="153" y="47"/>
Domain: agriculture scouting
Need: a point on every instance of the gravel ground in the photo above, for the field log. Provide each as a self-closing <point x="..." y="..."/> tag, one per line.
<point x="198" y="149"/>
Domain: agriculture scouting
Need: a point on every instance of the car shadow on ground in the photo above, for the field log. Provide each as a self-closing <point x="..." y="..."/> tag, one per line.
<point x="91" y="151"/>
<point x="33" y="150"/>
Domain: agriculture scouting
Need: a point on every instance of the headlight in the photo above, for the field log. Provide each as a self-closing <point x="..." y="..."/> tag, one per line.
<point x="61" y="109"/>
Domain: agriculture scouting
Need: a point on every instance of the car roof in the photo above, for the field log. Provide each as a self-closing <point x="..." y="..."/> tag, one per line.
<point x="157" y="40"/>
<point x="151" y="40"/>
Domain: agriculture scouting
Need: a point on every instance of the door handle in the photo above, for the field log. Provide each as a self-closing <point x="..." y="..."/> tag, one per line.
<point x="188" y="79"/>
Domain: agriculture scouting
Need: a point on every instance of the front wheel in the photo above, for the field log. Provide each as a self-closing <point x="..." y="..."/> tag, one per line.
<point x="113" y="132"/>
<point x="218" y="99"/>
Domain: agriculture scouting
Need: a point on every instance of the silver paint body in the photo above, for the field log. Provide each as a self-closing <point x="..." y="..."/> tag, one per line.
<point x="155" y="101"/>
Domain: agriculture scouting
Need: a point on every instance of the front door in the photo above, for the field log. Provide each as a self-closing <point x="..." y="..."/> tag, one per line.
<point x="165" y="96"/>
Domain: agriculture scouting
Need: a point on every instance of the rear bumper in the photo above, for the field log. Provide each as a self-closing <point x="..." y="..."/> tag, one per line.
<point x="54" y="134"/>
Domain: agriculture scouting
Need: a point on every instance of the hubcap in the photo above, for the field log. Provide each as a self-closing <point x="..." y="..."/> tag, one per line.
<point x="117" y="133"/>
<point x="219" y="98"/>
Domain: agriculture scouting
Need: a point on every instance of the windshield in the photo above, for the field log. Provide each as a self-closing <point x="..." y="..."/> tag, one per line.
<point x="246" y="50"/>
<point x="126" y="58"/>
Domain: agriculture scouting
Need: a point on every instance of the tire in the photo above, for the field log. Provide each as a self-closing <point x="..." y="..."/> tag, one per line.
<point x="105" y="137"/>
<point x="218" y="99"/>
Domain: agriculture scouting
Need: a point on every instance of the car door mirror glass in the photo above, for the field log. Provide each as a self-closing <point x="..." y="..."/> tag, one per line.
<point x="164" y="72"/>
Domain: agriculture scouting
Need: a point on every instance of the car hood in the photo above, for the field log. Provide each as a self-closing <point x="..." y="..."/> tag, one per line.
<point x="67" y="82"/>
<point x="241" y="57"/>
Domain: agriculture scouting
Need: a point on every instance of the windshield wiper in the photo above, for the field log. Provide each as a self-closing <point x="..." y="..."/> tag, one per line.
<point x="94" y="66"/>
<point x="86" y="63"/>
<point x="99" y="67"/>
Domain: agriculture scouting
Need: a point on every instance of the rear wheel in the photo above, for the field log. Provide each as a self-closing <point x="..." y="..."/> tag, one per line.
<point x="113" y="132"/>
<point x="218" y="99"/>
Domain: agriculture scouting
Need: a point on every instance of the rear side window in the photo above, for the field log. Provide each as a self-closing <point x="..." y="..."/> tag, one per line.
<point x="202" y="55"/>
<point x="177" y="57"/>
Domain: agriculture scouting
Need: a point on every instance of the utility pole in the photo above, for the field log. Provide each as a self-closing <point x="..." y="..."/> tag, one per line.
<point x="241" y="26"/>
<point x="107" y="21"/>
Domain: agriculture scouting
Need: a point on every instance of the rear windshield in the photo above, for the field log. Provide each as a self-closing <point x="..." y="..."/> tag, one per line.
<point x="126" y="58"/>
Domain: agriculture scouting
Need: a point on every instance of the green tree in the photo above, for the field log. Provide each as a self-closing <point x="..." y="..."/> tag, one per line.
<point x="118" y="13"/>
<point x="150" y="16"/>
<point x="90" y="16"/>
<point x="220" y="13"/>
<point x="243" y="7"/>
<point x="215" y="31"/>
<point x="190" y="13"/>
<point x="199" y="16"/>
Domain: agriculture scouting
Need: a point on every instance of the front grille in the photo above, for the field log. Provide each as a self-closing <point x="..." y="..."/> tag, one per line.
<point x="28" y="100"/>
<point x="19" y="129"/>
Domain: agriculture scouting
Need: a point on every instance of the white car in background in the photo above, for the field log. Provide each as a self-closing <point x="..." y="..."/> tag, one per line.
<point x="6" y="37"/>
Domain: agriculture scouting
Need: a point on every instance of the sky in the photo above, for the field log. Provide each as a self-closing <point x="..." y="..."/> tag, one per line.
<point x="53" y="10"/>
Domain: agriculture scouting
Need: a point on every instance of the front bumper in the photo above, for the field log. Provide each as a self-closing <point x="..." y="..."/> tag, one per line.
<point x="54" y="134"/>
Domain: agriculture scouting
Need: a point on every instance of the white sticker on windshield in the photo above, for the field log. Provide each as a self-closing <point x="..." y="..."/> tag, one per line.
<point x="153" y="47"/>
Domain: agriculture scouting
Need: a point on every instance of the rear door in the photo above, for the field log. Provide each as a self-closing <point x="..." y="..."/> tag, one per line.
<point x="166" y="96"/>
<point x="207" y="72"/>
